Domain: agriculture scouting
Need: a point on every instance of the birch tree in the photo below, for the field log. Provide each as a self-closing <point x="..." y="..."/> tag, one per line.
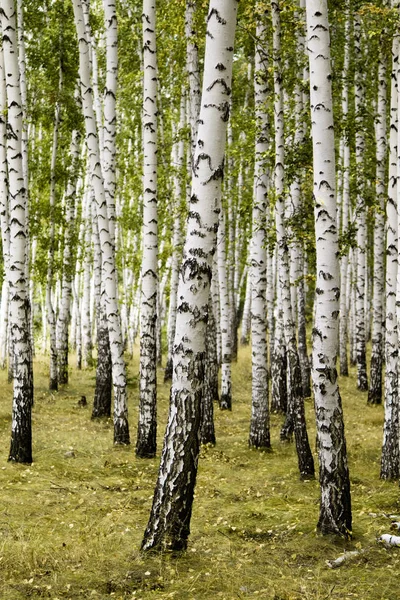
<point x="51" y="316"/>
<point x="21" y="428"/>
<point x="67" y="275"/>
<point x="147" y="426"/>
<point x="375" y="388"/>
<point x="295" y="408"/>
<point x="4" y="216"/>
<point x="335" y="503"/>
<point x="121" y="427"/>
<point x="259" y="424"/>
<point x="169" y="522"/>
<point x="390" y="445"/>
<point x="344" y="263"/>
<point x="362" y="380"/>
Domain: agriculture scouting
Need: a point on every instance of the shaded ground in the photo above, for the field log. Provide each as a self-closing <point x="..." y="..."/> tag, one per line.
<point x="71" y="524"/>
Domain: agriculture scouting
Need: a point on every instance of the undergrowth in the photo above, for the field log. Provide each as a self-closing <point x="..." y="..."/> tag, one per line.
<point x="71" y="523"/>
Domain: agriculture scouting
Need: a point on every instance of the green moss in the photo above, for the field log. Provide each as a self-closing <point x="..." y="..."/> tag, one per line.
<point x="71" y="526"/>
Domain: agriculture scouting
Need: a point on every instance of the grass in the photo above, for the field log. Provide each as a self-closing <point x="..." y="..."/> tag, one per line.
<point x="71" y="527"/>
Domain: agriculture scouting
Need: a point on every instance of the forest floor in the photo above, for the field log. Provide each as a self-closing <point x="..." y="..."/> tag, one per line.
<point x="71" y="523"/>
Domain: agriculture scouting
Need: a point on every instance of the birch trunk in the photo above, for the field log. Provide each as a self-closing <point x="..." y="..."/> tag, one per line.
<point x="4" y="217"/>
<point x="147" y="426"/>
<point x="304" y="455"/>
<point x="121" y="428"/>
<point x="51" y="317"/>
<point x="67" y="276"/>
<point x="344" y="262"/>
<point x="375" y="388"/>
<point x="110" y="119"/>
<point x="279" y="389"/>
<point x="178" y="158"/>
<point x="192" y="68"/>
<point x="335" y="504"/>
<point x="259" y="424"/>
<point x="87" y="339"/>
<point x="362" y="380"/>
<point x="169" y="523"/>
<point x="246" y="316"/>
<point x="225" y="401"/>
<point x="210" y="391"/>
<point x="21" y="429"/>
<point x="390" y="468"/>
<point x="103" y="389"/>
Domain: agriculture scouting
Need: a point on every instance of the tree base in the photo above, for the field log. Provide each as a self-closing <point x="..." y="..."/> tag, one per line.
<point x="21" y="449"/>
<point x="121" y="434"/>
<point x="144" y="453"/>
<point x="53" y="385"/>
<point x="208" y="440"/>
<point x="225" y="402"/>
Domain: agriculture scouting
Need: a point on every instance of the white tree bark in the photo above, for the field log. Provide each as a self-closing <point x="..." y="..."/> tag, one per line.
<point x="147" y="425"/>
<point x="225" y="402"/>
<point x="293" y="211"/>
<point x="86" y="321"/>
<point x="246" y="316"/>
<point x="375" y="387"/>
<point x="21" y="429"/>
<point x="178" y="189"/>
<point x="121" y="428"/>
<point x="344" y="262"/>
<point x="259" y="425"/>
<point x="172" y="504"/>
<point x="4" y="217"/>
<point x="67" y="274"/>
<point x="110" y="117"/>
<point x="390" y="468"/>
<point x="103" y="389"/>
<point x="335" y="505"/>
<point x="362" y="380"/>
<point x="192" y="68"/>
<point x="295" y="409"/>
<point x="51" y="315"/>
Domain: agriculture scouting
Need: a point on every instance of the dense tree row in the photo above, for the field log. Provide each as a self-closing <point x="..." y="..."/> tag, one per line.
<point x="166" y="181"/>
